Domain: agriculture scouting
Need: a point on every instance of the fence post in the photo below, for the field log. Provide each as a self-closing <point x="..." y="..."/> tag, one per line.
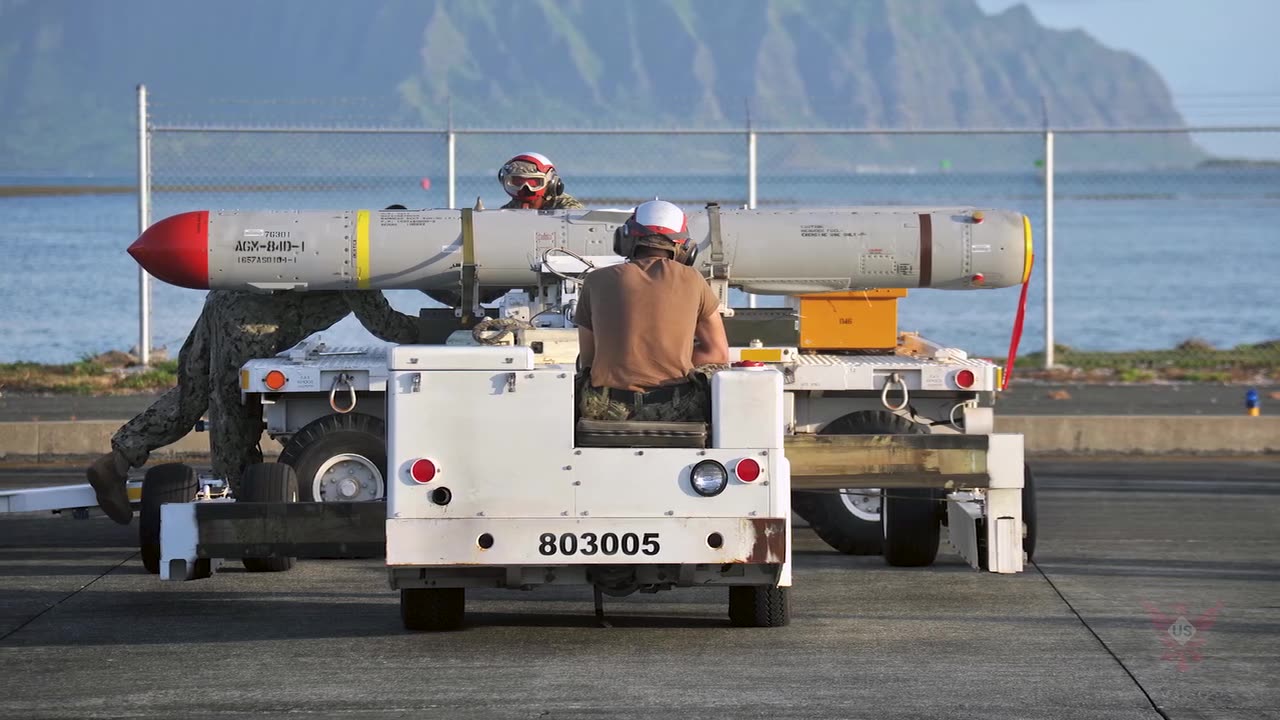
<point x="453" y="172"/>
<point x="144" y="221"/>
<point x="751" y="181"/>
<point x="1048" y="249"/>
<point x="453" y="168"/>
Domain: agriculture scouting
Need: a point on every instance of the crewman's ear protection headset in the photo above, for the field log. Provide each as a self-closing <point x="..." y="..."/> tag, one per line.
<point x="631" y="233"/>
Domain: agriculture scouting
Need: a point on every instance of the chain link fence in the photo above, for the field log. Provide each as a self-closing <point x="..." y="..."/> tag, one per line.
<point x="1163" y="256"/>
<point x="1166" y="255"/>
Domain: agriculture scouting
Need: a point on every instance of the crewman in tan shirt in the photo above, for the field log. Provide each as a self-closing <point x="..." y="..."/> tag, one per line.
<point x="638" y="322"/>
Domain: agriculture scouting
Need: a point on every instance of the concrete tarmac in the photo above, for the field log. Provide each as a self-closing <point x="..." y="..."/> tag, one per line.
<point x="84" y="632"/>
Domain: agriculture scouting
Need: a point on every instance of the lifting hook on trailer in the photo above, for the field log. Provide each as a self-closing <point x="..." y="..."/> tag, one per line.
<point x="894" y="379"/>
<point x="339" y="381"/>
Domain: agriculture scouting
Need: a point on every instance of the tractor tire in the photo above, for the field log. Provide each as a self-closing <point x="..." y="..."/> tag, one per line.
<point x="759" y="606"/>
<point x="849" y="521"/>
<point x="268" y="482"/>
<point x="1030" y="519"/>
<point x="339" y="458"/>
<point x="168" y="483"/>
<point x="912" y="519"/>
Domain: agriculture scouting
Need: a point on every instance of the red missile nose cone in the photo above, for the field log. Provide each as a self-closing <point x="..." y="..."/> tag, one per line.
<point x="176" y="250"/>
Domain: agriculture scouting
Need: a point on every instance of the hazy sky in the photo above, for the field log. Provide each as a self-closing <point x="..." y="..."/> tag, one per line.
<point x="1220" y="58"/>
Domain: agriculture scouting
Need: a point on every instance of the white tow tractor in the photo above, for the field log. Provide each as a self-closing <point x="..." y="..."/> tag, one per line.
<point x="492" y="482"/>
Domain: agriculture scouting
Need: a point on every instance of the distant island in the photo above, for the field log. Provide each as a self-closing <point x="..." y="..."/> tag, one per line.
<point x="1230" y="163"/>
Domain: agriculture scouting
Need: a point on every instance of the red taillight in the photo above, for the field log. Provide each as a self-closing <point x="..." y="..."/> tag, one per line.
<point x="422" y="471"/>
<point x="748" y="364"/>
<point x="965" y="379"/>
<point x="274" y="380"/>
<point x="747" y="470"/>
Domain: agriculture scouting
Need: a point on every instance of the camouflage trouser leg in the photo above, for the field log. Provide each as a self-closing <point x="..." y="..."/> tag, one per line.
<point x="689" y="405"/>
<point x="175" y="413"/>
<point x="235" y="429"/>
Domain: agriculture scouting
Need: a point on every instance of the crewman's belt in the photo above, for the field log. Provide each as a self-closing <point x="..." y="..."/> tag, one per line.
<point x="632" y="397"/>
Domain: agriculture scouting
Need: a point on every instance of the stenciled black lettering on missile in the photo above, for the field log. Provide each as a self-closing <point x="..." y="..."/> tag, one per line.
<point x="401" y="219"/>
<point x="266" y="259"/>
<point x="270" y="246"/>
<point x="926" y="250"/>
<point x="807" y="231"/>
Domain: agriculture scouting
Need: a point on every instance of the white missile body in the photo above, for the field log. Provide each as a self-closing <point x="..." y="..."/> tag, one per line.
<point x="776" y="251"/>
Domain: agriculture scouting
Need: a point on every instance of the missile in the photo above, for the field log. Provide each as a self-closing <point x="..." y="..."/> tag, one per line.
<point x="772" y="252"/>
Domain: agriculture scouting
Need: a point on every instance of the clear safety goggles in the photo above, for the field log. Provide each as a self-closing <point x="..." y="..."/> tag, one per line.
<point x="528" y="182"/>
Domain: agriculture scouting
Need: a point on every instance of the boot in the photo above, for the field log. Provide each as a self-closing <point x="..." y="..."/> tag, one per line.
<point x="108" y="475"/>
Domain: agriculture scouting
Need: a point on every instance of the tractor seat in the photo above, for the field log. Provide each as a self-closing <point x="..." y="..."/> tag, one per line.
<point x="640" y="434"/>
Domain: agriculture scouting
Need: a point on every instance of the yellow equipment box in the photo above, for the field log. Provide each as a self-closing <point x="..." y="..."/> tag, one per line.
<point x="858" y="320"/>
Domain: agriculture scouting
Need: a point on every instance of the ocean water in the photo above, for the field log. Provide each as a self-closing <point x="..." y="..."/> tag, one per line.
<point x="1141" y="260"/>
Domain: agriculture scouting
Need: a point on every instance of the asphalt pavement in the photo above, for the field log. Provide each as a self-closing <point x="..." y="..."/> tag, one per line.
<point x="1126" y="550"/>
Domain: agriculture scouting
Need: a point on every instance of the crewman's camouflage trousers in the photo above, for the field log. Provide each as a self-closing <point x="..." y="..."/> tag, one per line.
<point x="691" y="402"/>
<point x="688" y="405"/>
<point x="233" y="328"/>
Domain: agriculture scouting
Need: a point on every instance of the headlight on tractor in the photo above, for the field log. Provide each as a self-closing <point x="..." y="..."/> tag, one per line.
<point x="708" y="478"/>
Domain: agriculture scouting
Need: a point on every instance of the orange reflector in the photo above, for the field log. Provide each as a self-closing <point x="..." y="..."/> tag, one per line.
<point x="274" y="380"/>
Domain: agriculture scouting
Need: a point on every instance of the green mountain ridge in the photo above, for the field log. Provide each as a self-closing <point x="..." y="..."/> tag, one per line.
<point x="68" y="71"/>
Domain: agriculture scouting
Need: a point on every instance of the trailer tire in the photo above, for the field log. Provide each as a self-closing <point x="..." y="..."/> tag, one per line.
<point x="168" y="483"/>
<point x="759" y="606"/>
<point x="912" y="526"/>
<point x="355" y="439"/>
<point x="268" y="482"/>
<point x="833" y="516"/>
<point x="432" y="609"/>
<point x="1029" y="518"/>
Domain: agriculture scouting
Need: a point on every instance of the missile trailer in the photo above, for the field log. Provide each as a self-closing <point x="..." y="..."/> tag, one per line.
<point x="325" y="405"/>
<point x="877" y="438"/>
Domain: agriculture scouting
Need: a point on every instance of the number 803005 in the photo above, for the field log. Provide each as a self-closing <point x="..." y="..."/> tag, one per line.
<point x="592" y="544"/>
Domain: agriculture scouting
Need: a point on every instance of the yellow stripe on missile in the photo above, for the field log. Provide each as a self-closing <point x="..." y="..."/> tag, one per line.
<point x="362" y="249"/>
<point x="1026" y="261"/>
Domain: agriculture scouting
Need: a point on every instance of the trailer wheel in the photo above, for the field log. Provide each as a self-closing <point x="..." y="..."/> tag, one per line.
<point x="168" y="483"/>
<point x="912" y="526"/>
<point x="339" y="458"/>
<point x="759" y="606"/>
<point x="268" y="482"/>
<point x="432" y="609"/>
<point x="849" y="521"/>
<point x="1029" y="518"/>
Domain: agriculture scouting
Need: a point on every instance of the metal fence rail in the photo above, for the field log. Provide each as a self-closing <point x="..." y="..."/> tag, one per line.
<point x="1144" y="219"/>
